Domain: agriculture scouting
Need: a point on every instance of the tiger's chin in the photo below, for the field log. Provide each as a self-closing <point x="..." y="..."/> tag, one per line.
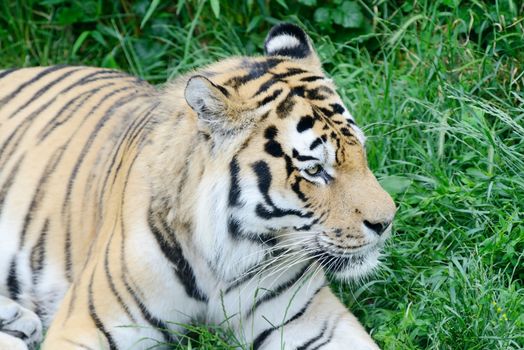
<point x="350" y="267"/>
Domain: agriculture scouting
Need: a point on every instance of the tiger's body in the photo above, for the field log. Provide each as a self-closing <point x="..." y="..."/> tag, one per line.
<point x="127" y="211"/>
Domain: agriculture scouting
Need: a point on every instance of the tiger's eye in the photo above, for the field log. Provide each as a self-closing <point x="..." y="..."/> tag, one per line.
<point x="314" y="170"/>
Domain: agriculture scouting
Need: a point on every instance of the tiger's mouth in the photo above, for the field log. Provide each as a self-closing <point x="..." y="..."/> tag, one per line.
<point x="348" y="265"/>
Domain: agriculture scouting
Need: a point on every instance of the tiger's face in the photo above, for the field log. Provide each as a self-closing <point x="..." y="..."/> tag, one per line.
<point x="299" y="179"/>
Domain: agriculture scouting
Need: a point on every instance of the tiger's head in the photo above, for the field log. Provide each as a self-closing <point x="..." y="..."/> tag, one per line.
<point x="287" y="165"/>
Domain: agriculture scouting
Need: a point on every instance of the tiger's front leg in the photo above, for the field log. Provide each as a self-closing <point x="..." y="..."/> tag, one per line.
<point x="325" y="324"/>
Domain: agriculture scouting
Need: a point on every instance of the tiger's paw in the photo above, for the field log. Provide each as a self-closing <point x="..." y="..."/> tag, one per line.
<point x="19" y="323"/>
<point x="8" y="342"/>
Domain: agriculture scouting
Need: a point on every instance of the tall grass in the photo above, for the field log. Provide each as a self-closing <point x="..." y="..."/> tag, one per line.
<point x="438" y="87"/>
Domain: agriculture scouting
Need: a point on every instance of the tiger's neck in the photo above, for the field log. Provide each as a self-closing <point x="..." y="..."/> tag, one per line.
<point x="190" y="195"/>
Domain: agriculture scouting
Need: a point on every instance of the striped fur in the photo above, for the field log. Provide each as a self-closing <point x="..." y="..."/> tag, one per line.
<point x="224" y="197"/>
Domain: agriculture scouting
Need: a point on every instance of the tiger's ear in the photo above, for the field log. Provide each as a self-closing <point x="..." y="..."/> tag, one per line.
<point x="291" y="41"/>
<point x="208" y="100"/>
<point x="212" y="103"/>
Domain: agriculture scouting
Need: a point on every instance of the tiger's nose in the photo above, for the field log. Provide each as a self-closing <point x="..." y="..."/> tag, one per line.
<point x="377" y="227"/>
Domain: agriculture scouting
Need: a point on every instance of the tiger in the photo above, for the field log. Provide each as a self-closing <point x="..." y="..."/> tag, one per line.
<point x="229" y="196"/>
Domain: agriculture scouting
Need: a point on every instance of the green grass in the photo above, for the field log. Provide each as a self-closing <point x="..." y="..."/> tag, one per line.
<point x="438" y="87"/>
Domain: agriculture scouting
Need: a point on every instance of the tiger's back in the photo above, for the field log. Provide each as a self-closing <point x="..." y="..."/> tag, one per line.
<point x="59" y="131"/>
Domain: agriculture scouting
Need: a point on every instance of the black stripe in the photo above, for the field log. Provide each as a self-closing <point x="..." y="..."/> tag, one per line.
<point x="127" y="138"/>
<point x="222" y="89"/>
<point x="112" y="286"/>
<point x="318" y="141"/>
<point x="315" y="338"/>
<point x="72" y="299"/>
<point x="6" y="72"/>
<point x="173" y="252"/>
<point x="6" y="186"/>
<point x="273" y="148"/>
<point x="237" y="233"/>
<point x="13" y="284"/>
<point x="337" y="108"/>
<point x="20" y="129"/>
<point x="251" y="271"/>
<point x="289" y="165"/>
<point x="42" y="90"/>
<point x="234" y="190"/>
<point x="272" y="294"/>
<point x="284" y="108"/>
<point x="259" y="340"/>
<point x="326" y="112"/>
<point x="146" y="314"/>
<point x="38" y="253"/>
<point x="39" y="192"/>
<point x="301" y="157"/>
<point x="312" y="78"/>
<point x="34" y="79"/>
<point x="270" y="98"/>
<point x="264" y="179"/>
<point x="256" y="70"/>
<point x="296" y="188"/>
<point x="271" y="132"/>
<point x="262" y="118"/>
<point x="278" y="77"/>
<point x="305" y="123"/>
<point x="233" y="227"/>
<point x="267" y="85"/>
<point x="94" y="316"/>
<point x="183" y="174"/>
<point x="319" y="93"/>
<point x="329" y="338"/>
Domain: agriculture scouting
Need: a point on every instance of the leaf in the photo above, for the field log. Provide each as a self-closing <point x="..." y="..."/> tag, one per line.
<point x="179" y="6"/>
<point x="150" y="10"/>
<point x="395" y="184"/>
<point x="283" y="4"/>
<point x="81" y="38"/>
<point x="99" y="38"/>
<point x="402" y="30"/>
<point x="254" y="23"/>
<point x="215" y="6"/>
<point x="322" y="15"/>
<point x="348" y="15"/>
<point x="477" y="173"/>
